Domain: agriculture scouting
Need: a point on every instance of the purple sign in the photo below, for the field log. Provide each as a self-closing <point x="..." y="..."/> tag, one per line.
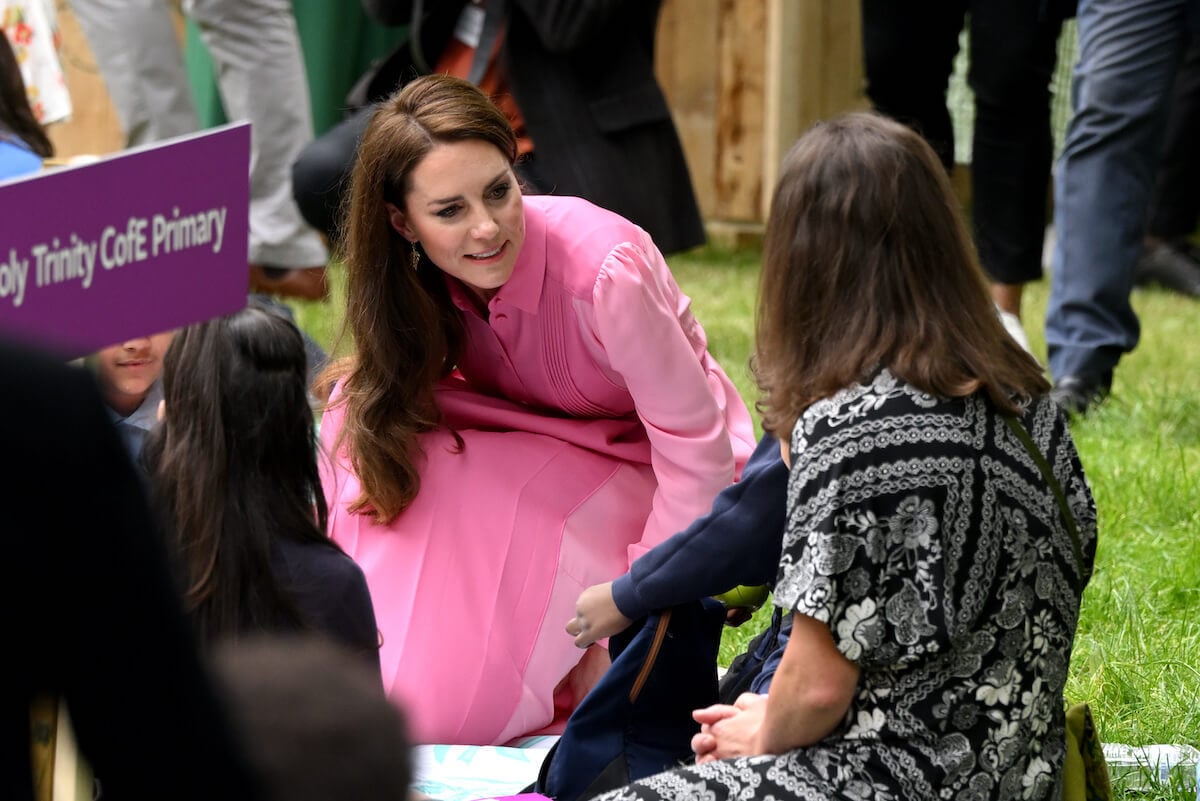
<point x="148" y="240"/>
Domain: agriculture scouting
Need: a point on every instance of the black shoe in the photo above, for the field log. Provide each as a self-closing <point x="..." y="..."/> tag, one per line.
<point x="1169" y="267"/>
<point x="1075" y="393"/>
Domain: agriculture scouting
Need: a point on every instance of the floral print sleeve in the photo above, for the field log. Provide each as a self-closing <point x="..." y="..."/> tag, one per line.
<point x="862" y="546"/>
<point x="32" y="29"/>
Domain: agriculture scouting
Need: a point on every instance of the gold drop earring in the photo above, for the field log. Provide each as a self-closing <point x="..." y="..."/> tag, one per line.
<point x="416" y="256"/>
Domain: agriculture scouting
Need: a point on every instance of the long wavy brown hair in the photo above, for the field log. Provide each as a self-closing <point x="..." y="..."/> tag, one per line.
<point x="407" y="333"/>
<point x="867" y="263"/>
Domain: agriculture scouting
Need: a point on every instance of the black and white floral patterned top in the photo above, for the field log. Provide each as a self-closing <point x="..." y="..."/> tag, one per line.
<point x="923" y="533"/>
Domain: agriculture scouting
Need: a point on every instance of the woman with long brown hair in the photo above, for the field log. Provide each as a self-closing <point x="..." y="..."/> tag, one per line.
<point x="531" y="404"/>
<point x="932" y="568"/>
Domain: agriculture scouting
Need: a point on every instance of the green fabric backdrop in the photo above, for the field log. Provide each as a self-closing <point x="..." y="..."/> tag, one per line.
<point x="339" y="43"/>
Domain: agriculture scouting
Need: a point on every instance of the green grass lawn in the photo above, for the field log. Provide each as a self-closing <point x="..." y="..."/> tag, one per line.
<point x="1137" y="652"/>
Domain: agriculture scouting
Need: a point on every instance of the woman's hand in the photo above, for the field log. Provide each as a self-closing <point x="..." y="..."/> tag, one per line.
<point x="596" y="616"/>
<point x="729" y="731"/>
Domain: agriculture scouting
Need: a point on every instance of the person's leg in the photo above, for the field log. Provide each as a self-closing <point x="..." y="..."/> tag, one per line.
<point x="260" y="73"/>
<point x="1169" y="258"/>
<point x="530" y="175"/>
<point x="138" y="54"/>
<point x="1013" y="52"/>
<point x="1175" y="204"/>
<point x="1128" y="56"/>
<point x="908" y="55"/>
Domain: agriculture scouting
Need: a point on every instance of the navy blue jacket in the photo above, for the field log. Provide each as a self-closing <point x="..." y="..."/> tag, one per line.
<point x="738" y="542"/>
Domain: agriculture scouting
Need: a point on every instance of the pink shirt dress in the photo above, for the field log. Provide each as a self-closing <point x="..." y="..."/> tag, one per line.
<point x="596" y="425"/>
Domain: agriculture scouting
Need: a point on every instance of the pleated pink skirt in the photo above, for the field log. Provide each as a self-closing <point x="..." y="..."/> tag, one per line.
<point x="475" y="581"/>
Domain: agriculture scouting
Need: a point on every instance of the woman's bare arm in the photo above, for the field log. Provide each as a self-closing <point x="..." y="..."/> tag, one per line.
<point x="811" y="691"/>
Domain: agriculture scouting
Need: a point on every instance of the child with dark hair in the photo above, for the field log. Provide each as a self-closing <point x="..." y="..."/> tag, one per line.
<point x="23" y="142"/>
<point x="233" y="465"/>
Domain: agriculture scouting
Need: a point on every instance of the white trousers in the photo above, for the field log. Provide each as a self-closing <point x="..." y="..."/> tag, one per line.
<point x="260" y="75"/>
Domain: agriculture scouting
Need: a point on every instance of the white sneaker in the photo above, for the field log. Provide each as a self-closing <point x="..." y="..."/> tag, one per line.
<point x="1012" y="324"/>
<point x="1048" y="243"/>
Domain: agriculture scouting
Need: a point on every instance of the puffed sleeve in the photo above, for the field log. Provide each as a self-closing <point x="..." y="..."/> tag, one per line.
<point x="699" y="430"/>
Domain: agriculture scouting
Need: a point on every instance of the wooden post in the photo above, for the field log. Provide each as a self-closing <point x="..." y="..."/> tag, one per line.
<point x="741" y="57"/>
<point x="744" y="79"/>
<point x="687" y="28"/>
<point x="814" y="71"/>
<point x="711" y="61"/>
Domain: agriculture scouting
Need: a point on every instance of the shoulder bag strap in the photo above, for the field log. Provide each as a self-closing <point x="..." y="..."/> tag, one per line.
<point x="1068" y="517"/>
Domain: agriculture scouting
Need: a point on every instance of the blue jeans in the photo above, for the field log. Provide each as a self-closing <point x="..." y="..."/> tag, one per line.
<point x="1129" y="52"/>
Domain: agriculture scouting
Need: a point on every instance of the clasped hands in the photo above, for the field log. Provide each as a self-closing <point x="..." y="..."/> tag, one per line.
<point x="730" y="731"/>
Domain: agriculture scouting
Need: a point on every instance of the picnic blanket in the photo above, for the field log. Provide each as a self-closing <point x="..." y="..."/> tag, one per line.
<point x="472" y="772"/>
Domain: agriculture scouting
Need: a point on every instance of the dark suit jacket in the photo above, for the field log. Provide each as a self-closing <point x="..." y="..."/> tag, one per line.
<point x="89" y="609"/>
<point x="331" y="594"/>
<point x="582" y="73"/>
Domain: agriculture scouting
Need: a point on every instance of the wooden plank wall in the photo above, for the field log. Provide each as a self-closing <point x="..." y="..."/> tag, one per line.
<point x="711" y="62"/>
<point x="744" y="78"/>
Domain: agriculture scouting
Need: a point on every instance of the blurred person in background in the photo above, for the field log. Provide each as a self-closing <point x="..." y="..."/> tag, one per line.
<point x="1129" y="56"/>
<point x="261" y="77"/>
<point x="577" y="83"/>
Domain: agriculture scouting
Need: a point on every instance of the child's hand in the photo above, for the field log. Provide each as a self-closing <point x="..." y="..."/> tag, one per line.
<point x="737" y="615"/>
<point x="596" y="616"/>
